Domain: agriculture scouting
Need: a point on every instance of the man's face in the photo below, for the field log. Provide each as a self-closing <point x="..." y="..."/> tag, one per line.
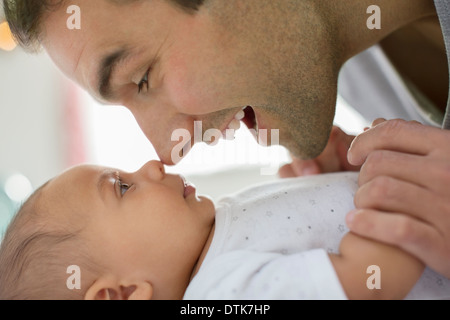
<point x="171" y="68"/>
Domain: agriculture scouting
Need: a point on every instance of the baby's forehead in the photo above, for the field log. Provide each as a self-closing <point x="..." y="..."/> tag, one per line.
<point x="72" y="187"/>
<point x="84" y="173"/>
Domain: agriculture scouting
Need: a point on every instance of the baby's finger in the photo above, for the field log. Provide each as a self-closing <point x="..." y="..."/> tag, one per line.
<point x="305" y="167"/>
<point x="286" y="171"/>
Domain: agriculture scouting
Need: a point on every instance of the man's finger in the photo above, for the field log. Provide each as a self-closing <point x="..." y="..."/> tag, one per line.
<point x="403" y="166"/>
<point x="427" y="172"/>
<point x="378" y="121"/>
<point x="396" y="135"/>
<point x="391" y="195"/>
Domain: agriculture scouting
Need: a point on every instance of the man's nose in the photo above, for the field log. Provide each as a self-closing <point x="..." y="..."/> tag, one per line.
<point x="172" y="141"/>
<point x="181" y="142"/>
<point x="170" y="133"/>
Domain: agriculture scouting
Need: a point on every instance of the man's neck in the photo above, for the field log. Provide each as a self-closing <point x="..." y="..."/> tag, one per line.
<point x="350" y="20"/>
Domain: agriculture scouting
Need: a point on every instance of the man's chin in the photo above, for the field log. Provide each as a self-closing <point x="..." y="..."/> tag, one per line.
<point x="304" y="151"/>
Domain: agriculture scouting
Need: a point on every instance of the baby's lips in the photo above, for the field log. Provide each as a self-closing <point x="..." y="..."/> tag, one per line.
<point x="189" y="188"/>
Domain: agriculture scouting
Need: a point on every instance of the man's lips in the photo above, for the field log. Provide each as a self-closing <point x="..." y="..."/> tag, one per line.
<point x="233" y="125"/>
<point x="250" y="118"/>
<point x="247" y="115"/>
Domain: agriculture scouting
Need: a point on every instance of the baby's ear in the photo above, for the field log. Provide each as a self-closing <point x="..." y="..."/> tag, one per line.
<point x="139" y="291"/>
<point x="107" y="288"/>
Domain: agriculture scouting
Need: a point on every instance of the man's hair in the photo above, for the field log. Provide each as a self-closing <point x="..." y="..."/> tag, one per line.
<point x="25" y="17"/>
<point x="35" y="254"/>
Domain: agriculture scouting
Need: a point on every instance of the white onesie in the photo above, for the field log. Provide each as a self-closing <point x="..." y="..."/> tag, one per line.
<point x="271" y="242"/>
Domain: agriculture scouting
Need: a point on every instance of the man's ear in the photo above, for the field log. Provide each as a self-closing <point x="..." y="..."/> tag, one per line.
<point x="108" y="288"/>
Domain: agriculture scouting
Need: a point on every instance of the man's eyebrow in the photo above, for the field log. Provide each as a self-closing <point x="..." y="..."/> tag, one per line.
<point x="107" y="65"/>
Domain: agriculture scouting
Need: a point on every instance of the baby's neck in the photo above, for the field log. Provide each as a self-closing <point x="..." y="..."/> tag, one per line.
<point x="204" y="252"/>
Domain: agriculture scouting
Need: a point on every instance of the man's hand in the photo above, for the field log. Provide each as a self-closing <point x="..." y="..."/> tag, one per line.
<point x="404" y="189"/>
<point x="332" y="159"/>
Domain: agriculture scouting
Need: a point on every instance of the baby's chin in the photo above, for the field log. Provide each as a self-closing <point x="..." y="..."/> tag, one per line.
<point x="207" y="204"/>
<point x="206" y="199"/>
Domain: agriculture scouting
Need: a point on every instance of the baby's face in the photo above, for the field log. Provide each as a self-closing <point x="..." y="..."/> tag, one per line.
<point x="146" y="223"/>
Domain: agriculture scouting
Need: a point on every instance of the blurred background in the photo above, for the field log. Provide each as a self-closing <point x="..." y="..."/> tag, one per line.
<point x="48" y="124"/>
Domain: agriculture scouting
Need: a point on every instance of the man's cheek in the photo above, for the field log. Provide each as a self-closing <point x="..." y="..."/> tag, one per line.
<point x="175" y="82"/>
<point x="188" y="95"/>
<point x="191" y="85"/>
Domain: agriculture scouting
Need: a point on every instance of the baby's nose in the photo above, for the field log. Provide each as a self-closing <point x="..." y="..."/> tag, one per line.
<point x="154" y="170"/>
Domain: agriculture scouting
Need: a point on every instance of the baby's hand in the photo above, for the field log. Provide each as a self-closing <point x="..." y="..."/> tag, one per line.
<point x="332" y="159"/>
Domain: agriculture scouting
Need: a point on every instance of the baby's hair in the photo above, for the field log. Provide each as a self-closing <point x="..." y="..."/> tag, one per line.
<point x="35" y="253"/>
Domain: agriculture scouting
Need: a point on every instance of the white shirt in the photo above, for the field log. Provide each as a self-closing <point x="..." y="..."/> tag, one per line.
<point x="271" y="242"/>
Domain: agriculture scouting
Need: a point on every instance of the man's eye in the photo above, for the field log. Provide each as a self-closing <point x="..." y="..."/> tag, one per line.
<point x="144" y="82"/>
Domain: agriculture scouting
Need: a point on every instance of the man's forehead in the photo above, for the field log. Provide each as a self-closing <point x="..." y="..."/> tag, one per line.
<point x="71" y="54"/>
<point x="78" y="53"/>
<point x="63" y="45"/>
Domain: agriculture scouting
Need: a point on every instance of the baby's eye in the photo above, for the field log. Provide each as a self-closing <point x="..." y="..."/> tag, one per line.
<point x="123" y="187"/>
